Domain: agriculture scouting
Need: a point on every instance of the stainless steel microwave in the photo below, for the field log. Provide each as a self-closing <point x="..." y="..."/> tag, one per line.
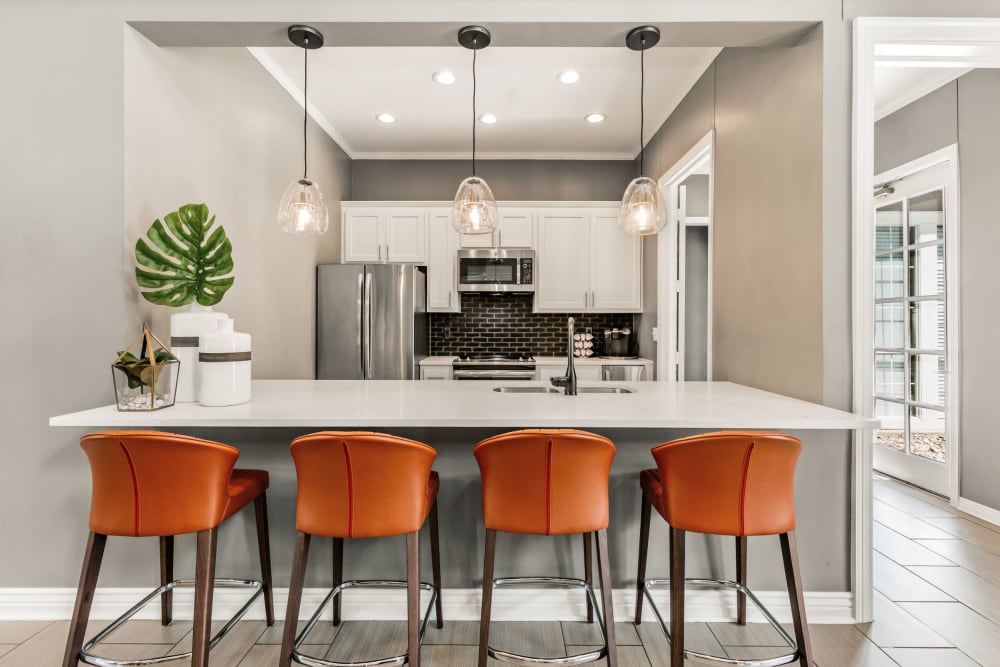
<point x="496" y="270"/>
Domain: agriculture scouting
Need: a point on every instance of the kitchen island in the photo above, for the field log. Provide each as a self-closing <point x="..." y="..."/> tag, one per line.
<point x="453" y="416"/>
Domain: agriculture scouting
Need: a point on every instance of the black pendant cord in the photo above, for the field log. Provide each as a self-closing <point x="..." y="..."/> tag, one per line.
<point x="305" y="112"/>
<point x="642" y="105"/>
<point x="474" y="49"/>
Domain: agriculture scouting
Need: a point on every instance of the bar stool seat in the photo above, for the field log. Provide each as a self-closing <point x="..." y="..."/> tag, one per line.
<point x="734" y="483"/>
<point x="356" y="484"/>
<point x="148" y="483"/>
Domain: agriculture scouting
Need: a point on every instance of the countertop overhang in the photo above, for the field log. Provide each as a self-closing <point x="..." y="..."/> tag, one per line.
<point x="392" y="403"/>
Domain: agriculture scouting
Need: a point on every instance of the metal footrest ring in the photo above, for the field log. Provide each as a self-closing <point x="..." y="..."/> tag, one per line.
<point x="92" y="659"/>
<point x="578" y="659"/>
<point x="313" y="661"/>
<point x="718" y="660"/>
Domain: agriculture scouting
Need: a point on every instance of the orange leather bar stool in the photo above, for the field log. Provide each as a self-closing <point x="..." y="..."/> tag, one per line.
<point x="147" y="483"/>
<point x="547" y="482"/>
<point x="360" y="484"/>
<point x="736" y="483"/>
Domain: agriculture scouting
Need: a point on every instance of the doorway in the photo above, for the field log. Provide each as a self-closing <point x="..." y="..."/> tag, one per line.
<point x="685" y="261"/>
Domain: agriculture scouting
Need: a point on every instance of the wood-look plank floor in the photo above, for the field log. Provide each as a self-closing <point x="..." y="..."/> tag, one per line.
<point x="937" y="604"/>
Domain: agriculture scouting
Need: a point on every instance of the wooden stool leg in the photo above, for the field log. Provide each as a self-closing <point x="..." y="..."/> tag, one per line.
<point x="588" y="567"/>
<point x="640" y="584"/>
<point x="166" y="576"/>
<point x="264" y="549"/>
<point x="484" y="617"/>
<point x="92" y="557"/>
<point x="676" y="597"/>
<point x="413" y="598"/>
<point x="204" y="583"/>
<point x="294" y="598"/>
<point x="741" y="578"/>
<point x="790" y="554"/>
<point x="436" y="562"/>
<point x="338" y="575"/>
<point x="604" y="570"/>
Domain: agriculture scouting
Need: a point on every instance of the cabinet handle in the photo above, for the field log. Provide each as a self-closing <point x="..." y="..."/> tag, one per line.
<point x="380" y="252"/>
<point x="449" y="298"/>
<point x="593" y="299"/>
<point x="387" y="252"/>
<point x="585" y="297"/>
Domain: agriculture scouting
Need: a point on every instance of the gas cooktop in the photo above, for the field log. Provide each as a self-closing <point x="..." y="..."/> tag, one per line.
<point x="483" y="357"/>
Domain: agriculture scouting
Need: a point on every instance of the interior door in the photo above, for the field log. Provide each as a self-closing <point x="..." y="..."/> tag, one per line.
<point x="912" y="310"/>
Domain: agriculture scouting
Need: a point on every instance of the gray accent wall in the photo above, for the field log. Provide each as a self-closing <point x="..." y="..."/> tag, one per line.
<point x="965" y="111"/>
<point x="511" y="180"/>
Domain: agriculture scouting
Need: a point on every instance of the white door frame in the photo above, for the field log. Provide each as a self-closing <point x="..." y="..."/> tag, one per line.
<point x="870" y="32"/>
<point x="944" y="156"/>
<point x="667" y="250"/>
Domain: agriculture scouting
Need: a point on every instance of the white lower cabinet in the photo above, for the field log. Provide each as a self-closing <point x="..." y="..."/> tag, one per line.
<point x="586" y="264"/>
<point x="584" y="373"/>
<point x="435" y="373"/>
<point x="442" y="256"/>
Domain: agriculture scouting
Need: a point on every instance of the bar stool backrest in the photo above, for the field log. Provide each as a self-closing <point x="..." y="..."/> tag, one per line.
<point x="361" y="484"/>
<point x="545" y="481"/>
<point x="151" y="483"/>
<point x="730" y="483"/>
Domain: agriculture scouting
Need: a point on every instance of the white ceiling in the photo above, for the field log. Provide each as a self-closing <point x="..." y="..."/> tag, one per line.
<point x="539" y="116"/>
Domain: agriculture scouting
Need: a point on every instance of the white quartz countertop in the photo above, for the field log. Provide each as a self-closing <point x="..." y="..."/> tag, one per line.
<point x="550" y="361"/>
<point x="402" y="403"/>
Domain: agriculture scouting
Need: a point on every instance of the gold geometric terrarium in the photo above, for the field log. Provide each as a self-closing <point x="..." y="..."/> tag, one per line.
<point x="148" y="381"/>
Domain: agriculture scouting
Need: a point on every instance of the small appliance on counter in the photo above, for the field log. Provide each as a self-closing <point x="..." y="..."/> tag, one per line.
<point x="620" y="344"/>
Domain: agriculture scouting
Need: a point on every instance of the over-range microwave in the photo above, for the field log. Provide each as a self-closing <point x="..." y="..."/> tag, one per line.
<point x="496" y="270"/>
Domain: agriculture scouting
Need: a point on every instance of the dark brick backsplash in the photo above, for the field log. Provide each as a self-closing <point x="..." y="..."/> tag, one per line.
<point x="505" y="324"/>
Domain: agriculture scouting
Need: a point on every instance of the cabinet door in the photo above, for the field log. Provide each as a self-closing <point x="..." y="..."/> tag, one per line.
<point x="517" y="228"/>
<point x="615" y="265"/>
<point x="406" y="235"/>
<point x="588" y="373"/>
<point x="442" y="255"/>
<point x="435" y="373"/>
<point x="563" y="264"/>
<point x="361" y="238"/>
<point x="477" y="240"/>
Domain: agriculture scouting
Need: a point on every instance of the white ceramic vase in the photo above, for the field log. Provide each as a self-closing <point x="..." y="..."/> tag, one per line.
<point x="224" y="366"/>
<point x="186" y="329"/>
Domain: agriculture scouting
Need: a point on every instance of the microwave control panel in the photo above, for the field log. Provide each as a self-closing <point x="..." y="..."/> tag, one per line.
<point x="526" y="271"/>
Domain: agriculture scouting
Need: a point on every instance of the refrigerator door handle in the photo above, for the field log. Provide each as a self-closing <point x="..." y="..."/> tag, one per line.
<point x="361" y="320"/>
<point x="366" y="349"/>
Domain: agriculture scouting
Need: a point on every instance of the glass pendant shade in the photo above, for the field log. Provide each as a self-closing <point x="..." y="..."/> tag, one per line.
<point x="643" y="211"/>
<point x="303" y="209"/>
<point x="475" y="209"/>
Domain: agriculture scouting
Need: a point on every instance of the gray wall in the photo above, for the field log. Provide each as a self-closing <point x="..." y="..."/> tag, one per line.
<point x="965" y="111"/>
<point x="517" y="180"/>
<point x="211" y="125"/>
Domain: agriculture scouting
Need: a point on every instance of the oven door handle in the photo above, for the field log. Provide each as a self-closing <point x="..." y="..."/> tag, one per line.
<point x="493" y="375"/>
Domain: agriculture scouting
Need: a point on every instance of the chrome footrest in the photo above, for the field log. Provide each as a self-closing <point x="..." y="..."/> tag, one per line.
<point x="313" y="661"/>
<point x="578" y="659"/>
<point x="92" y="659"/>
<point x="714" y="659"/>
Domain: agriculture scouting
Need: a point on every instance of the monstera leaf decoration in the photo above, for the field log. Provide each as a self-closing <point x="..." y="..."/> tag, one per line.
<point x="185" y="259"/>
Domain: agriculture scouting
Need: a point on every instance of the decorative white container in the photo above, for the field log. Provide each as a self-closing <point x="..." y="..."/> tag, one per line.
<point x="224" y="366"/>
<point x="186" y="329"/>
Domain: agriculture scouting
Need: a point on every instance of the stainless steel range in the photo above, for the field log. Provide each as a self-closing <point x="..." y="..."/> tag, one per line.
<point x="519" y="366"/>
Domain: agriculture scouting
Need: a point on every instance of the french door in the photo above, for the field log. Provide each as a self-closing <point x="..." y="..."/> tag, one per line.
<point x="914" y="326"/>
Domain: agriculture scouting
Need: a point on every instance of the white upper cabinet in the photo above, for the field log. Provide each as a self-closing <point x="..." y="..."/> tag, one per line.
<point x="394" y="234"/>
<point x="586" y="264"/>
<point x="515" y="229"/>
<point x="615" y="265"/>
<point x="563" y="261"/>
<point x="442" y="255"/>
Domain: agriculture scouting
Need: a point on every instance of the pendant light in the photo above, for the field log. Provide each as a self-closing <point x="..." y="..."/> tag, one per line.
<point x="475" y="209"/>
<point x="643" y="211"/>
<point x="303" y="209"/>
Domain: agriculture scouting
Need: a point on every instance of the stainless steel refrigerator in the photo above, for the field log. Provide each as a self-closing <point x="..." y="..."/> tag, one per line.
<point x="371" y="321"/>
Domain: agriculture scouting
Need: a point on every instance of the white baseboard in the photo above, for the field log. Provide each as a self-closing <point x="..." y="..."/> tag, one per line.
<point x="979" y="511"/>
<point x="462" y="604"/>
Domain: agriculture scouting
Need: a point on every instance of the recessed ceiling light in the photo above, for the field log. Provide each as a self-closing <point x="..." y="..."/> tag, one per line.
<point x="488" y="118"/>
<point x="444" y="77"/>
<point x="386" y="118"/>
<point x="595" y="117"/>
<point x="569" y="76"/>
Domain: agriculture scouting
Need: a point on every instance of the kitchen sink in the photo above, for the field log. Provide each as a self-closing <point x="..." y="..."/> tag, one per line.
<point x="532" y="389"/>
<point x="604" y="390"/>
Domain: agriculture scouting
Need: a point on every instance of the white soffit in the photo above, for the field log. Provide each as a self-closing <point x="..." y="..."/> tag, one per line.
<point x="539" y="117"/>
<point x="895" y="87"/>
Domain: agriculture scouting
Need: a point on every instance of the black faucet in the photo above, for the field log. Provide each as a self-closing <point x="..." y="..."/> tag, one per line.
<point x="567" y="381"/>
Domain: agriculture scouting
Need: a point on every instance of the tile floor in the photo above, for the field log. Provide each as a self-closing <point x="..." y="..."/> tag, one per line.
<point x="937" y="581"/>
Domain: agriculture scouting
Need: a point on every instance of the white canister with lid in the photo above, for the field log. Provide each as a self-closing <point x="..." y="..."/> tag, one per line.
<point x="186" y="329"/>
<point x="224" y="366"/>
